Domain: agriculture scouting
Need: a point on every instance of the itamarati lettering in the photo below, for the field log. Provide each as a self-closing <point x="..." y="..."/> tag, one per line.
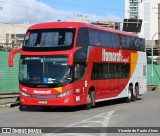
<point x="42" y="92"/>
<point x="114" y="56"/>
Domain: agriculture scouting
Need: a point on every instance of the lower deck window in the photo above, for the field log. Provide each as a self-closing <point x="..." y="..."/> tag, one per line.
<point x="109" y="71"/>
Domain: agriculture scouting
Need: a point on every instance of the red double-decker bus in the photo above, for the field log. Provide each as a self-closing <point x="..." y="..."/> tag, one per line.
<point x="74" y="63"/>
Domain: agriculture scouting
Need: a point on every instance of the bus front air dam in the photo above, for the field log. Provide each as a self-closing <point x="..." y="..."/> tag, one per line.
<point x="50" y="100"/>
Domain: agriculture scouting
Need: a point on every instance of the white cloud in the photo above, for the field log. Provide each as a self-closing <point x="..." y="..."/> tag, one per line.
<point x="17" y="12"/>
<point x="108" y="17"/>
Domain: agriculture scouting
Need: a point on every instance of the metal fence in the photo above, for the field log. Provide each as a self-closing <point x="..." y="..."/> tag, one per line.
<point x="8" y="76"/>
<point x="156" y="74"/>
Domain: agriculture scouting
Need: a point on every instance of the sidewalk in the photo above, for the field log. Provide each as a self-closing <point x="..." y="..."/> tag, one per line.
<point x="153" y="87"/>
<point x="9" y="99"/>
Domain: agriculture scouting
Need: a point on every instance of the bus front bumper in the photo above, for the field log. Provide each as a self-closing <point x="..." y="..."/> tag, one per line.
<point x="67" y="100"/>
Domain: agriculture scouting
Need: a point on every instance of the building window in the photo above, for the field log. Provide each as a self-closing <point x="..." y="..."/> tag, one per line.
<point x="18" y="36"/>
<point x="133" y="9"/>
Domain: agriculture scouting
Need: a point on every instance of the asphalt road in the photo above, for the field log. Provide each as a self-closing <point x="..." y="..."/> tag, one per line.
<point x="145" y="112"/>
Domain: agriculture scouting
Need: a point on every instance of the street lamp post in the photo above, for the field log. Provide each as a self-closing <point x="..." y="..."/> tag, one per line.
<point x="152" y="56"/>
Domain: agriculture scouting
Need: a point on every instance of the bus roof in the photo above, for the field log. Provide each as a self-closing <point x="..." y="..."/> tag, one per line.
<point x="78" y="25"/>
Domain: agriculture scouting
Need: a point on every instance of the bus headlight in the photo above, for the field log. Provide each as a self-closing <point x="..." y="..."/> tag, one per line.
<point x="24" y="94"/>
<point x="64" y="93"/>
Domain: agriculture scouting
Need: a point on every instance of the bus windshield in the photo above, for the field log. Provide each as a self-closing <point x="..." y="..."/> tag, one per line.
<point x="49" y="38"/>
<point x="44" y="71"/>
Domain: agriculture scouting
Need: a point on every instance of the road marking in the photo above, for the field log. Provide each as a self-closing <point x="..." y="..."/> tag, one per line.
<point x="101" y="120"/>
<point x="106" y="123"/>
<point x="104" y="116"/>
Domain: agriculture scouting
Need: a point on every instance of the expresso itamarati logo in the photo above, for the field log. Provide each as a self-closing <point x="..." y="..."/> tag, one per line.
<point x="114" y="56"/>
<point x="41" y="92"/>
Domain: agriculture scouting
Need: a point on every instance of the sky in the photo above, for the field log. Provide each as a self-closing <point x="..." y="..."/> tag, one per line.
<point x="37" y="11"/>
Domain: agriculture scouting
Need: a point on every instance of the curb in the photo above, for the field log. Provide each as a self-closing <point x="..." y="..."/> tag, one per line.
<point x="9" y="100"/>
<point x="10" y="105"/>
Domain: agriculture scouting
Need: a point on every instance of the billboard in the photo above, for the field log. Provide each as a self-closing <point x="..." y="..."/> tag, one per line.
<point x="132" y="25"/>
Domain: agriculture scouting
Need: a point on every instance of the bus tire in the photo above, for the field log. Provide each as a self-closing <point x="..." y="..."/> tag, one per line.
<point x="129" y="97"/>
<point x="135" y="93"/>
<point x="21" y="107"/>
<point x="90" y="100"/>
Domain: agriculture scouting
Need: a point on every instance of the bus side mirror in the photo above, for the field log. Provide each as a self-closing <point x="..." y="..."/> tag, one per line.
<point x="70" y="59"/>
<point x="71" y="56"/>
<point x="11" y="57"/>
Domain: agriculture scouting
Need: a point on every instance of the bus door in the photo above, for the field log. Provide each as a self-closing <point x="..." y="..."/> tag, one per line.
<point x="79" y="85"/>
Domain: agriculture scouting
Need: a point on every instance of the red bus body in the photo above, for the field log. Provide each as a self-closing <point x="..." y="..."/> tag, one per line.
<point x="106" y="86"/>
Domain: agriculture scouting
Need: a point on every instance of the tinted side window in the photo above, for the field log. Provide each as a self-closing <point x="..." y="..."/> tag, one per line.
<point x="97" y="71"/>
<point x="94" y="37"/>
<point x="102" y="71"/>
<point x="124" y="42"/>
<point x="141" y="45"/>
<point x="120" y="41"/>
<point x="142" y="48"/>
<point x="133" y="42"/>
<point x="115" y="41"/>
<point x="136" y="43"/>
<point x="82" y="41"/>
<point x="128" y="43"/>
<point x="83" y="38"/>
<point x="79" y="70"/>
<point x="125" y="70"/>
<point x="106" y="39"/>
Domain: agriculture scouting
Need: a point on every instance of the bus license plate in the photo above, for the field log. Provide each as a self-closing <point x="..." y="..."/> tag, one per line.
<point x="42" y="102"/>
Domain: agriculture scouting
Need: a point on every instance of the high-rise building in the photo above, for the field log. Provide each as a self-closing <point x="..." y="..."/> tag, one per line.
<point x="131" y="8"/>
<point x="147" y="10"/>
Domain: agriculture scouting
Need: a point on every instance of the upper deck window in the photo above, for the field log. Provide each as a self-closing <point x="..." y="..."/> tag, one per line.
<point x="49" y="39"/>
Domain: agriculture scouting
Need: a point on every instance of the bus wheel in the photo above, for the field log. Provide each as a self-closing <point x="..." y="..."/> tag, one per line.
<point x="21" y="107"/>
<point x="46" y="108"/>
<point x="129" y="98"/>
<point x="135" y="93"/>
<point x="90" y="100"/>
